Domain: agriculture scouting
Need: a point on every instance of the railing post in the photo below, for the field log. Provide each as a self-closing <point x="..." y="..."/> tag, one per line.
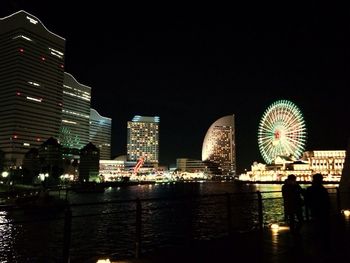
<point x="66" y="193"/>
<point x="229" y="213"/>
<point x="138" y="228"/>
<point x="260" y="211"/>
<point x="67" y="234"/>
<point x="338" y="200"/>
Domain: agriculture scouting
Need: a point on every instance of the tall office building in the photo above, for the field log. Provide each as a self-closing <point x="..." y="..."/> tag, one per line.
<point x="74" y="132"/>
<point x="143" y="139"/>
<point x="219" y="145"/>
<point x="100" y="134"/>
<point x="31" y="80"/>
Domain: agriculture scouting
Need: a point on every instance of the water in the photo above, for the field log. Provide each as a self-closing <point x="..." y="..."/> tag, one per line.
<point x="109" y="230"/>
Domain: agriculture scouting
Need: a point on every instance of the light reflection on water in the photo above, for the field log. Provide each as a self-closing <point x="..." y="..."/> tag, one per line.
<point x="6" y="232"/>
<point x="165" y="222"/>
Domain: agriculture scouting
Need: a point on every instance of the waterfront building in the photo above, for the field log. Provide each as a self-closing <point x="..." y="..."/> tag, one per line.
<point x="100" y="133"/>
<point x="219" y="145"/>
<point x="50" y="155"/>
<point x="113" y="170"/>
<point x="31" y="83"/>
<point x="190" y="165"/>
<point x="325" y="162"/>
<point x="74" y="131"/>
<point x="328" y="163"/>
<point x="31" y="165"/>
<point x="143" y="139"/>
<point x="89" y="163"/>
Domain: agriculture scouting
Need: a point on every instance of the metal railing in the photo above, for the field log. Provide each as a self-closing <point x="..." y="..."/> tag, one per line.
<point x="192" y="208"/>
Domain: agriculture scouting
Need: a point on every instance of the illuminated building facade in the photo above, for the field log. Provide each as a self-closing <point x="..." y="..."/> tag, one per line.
<point x="190" y="165"/>
<point x="143" y="139"/>
<point x="100" y="133"/>
<point x="31" y="81"/>
<point x="328" y="163"/>
<point x="219" y="145"/>
<point x="74" y="132"/>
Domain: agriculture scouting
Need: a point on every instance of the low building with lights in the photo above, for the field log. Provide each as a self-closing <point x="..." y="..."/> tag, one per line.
<point x="328" y="163"/>
<point x="89" y="163"/>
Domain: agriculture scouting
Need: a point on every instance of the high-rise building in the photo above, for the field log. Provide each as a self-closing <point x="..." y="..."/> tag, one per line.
<point x="143" y="139"/>
<point x="74" y="132"/>
<point x="219" y="145"/>
<point x="31" y="81"/>
<point x="100" y="133"/>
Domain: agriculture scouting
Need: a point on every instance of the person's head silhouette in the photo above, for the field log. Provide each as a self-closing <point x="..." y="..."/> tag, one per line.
<point x="317" y="178"/>
<point x="292" y="178"/>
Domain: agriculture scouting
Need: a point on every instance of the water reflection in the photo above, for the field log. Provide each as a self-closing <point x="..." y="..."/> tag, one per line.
<point x="6" y="232"/>
<point x="165" y="222"/>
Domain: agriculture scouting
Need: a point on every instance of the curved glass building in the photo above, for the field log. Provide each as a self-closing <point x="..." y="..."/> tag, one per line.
<point x="74" y="132"/>
<point x="219" y="145"/>
<point x="100" y="133"/>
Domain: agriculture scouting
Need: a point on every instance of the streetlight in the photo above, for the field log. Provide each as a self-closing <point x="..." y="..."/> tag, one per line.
<point x="5" y="174"/>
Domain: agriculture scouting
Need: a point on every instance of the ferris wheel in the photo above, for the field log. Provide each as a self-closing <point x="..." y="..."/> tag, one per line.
<point x="282" y="131"/>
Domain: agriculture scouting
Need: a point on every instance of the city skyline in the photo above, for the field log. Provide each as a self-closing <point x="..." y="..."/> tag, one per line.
<point x="191" y="70"/>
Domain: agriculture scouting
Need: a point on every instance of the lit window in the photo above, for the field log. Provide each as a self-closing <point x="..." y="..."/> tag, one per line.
<point x="34" y="99"/>
<point x="22" y="36"/>
<point x="33" y="83"/>
<point x="32" y="20"/>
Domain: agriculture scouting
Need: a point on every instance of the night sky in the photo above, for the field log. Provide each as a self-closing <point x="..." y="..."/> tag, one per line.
<point x="193" y="66"/>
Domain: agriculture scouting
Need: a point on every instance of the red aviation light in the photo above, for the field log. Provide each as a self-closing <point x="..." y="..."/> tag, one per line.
<point x="15" y="136"/>
<point x="18" y="93"/>
<point x="62" y="66"/>
<point x="21" y="50"/>
<point x="38" y="139"/>
<point x="43" y="58"/>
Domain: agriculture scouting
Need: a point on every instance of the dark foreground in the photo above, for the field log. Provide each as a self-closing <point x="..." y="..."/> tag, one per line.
<point x="265" y="246"/>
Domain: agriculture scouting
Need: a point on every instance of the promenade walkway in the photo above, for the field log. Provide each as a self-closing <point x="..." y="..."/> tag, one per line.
<point x="263" y="246"/>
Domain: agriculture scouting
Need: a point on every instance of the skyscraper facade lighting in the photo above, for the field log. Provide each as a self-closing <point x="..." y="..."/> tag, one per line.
<point x="74" y="131"/>
<point x="31" y="81"/>
<point x="219" y="145"/>
<point x="100" y="133"/>
<point x="143" y="139"/>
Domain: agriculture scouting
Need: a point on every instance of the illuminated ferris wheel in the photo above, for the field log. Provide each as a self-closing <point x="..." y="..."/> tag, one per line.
<point x="282" y="131"/>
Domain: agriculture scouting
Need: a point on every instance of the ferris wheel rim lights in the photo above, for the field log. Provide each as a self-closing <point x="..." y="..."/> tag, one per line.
<point x="282" y="131"/>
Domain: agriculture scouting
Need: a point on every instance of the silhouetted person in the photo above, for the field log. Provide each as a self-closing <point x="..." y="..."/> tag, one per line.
<point x="293" y="203"/>
<point x="317" y="201"/>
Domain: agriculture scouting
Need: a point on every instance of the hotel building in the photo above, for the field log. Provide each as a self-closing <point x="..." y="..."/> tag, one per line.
<point x="74" y="132"/>
<point x="31" y="83"/>
<point x="219" y="145"/>
<point x="143" y="139"/>
<point x="100" y="133"/>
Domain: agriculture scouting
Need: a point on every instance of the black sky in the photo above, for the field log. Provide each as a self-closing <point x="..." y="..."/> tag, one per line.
<point x="191" y="67"/>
